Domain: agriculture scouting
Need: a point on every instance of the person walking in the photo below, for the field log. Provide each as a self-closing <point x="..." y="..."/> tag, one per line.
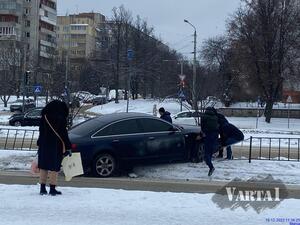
<point x="210" y="128"/>
<point x="52" y="144"/>
<point x="165" y="115"/>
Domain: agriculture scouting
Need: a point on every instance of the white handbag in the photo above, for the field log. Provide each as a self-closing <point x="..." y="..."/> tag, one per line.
<point x="72" y="166"/>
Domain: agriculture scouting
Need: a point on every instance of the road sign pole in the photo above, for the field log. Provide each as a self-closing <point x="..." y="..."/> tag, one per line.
<point x="129" y="58"/>
<point x="289" y="115"/>
<point x="289" y="101"/>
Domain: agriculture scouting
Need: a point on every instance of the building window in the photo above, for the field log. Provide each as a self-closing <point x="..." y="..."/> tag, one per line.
<point x="27" y="11"/>
<point x="27" y="34"/>
<point x="8" y="5"/>
<point x="27" y="23"/>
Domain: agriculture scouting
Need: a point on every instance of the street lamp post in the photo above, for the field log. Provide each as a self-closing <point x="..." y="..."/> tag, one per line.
<point x="194" y="67"/>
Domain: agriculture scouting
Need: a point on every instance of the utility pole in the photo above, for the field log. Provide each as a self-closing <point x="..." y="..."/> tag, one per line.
<point x="181" y="83"/>
<point x="194" y="96"/>
<point x="129" y="58"/>
<point x="195" y="106"/>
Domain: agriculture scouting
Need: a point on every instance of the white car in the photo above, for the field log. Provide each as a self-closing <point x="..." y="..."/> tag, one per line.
<point x="187" y="117"/>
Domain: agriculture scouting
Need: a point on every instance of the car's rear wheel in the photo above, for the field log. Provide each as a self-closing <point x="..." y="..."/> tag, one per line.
<point x="105" y="165"/>
<point x="17" y="124"/>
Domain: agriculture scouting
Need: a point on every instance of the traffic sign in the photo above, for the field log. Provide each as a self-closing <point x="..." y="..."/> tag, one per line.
<point x="181" y="94"/>
<point x="289" y="99"/>
<point x="182" y="77"/>
<point x="130" y="54"/>
<point x="37" y="89"/>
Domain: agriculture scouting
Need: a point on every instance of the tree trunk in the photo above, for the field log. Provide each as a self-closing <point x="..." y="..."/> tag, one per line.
<point x="268" y="110"/>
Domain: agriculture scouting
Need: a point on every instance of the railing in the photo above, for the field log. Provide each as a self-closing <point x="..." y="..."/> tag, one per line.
<point x="18" y="139"/>
<point x="268" y="148"/>
<point x="253" y="148"/>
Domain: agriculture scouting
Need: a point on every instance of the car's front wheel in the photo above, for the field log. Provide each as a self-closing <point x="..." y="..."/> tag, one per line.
<point x="105" y="165"/>
<point x="17" y="124"/>
<point x="199" y="154"/>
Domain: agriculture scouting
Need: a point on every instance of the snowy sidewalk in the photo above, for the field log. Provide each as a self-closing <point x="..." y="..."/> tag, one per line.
<point x="21" y="205"/>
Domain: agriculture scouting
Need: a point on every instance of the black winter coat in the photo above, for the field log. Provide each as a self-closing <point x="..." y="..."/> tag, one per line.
<point x="167" y="117"/>
<point x="209" y="122"/>
<point x="228" y="130"/>
<point x="50" y="151"/>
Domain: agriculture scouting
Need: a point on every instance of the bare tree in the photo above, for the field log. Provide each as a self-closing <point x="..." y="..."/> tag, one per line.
<point x="10" y="63"/>
<point x="263" y="33"/>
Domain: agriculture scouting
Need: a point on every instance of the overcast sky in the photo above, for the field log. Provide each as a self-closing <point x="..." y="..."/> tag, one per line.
<point x="166" y="16"/>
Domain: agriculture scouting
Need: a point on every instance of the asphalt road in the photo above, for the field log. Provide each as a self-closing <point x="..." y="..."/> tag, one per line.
<point x="177" y="186"/>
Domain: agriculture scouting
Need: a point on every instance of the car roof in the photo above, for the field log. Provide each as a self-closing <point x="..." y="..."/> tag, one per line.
<point x="108" y="118"/>
<point x="95" y="123"/>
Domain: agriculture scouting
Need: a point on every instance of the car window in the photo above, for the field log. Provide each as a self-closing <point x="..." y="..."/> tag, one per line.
<point x="184" y="115"/>
<point x="119" y="128"/>
<point x="196" y="114"/>
<point x="86" y="127"/>
<point x="34" y="113"/>
<point x="155" y="125"/>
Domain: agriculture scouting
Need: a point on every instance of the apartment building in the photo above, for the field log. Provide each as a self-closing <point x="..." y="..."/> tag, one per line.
<point x="79" y="34"/>
<point x="32" y="25"/>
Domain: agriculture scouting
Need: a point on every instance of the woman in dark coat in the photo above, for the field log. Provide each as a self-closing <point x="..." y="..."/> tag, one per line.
<point x="52" y="142"/>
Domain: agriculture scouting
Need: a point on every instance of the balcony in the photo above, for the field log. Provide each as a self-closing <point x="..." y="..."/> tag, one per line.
<point x="48" y="43"/>
<point x="48" y="9"/>
<point x="11" y="7"/>
<point x="46" y="31"/>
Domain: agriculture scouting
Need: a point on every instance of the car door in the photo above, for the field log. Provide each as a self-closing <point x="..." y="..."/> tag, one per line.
<point x="32" y="118"/>
<point x="185" y="118"/>
<point x="164" y="142"/>
<point x="125" y="138"/>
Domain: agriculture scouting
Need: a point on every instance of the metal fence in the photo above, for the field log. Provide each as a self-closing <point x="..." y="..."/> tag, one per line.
<point x="268" y="148"/>
<point x="253" y="148"/>
<point x="18" y="139"/>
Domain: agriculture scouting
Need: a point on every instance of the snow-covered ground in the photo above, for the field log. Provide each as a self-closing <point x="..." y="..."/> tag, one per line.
<point x="16" y="160"/>
<point x="288" y="172"/>
<point x="22" y="205"/>
<point x="138" y="105"/>
<point x="226" y="170"/>
<point x="40" y="102"/>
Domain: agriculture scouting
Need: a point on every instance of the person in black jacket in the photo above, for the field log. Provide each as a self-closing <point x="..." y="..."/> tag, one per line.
<point x="210" y="128"/>
<point x="165" y="115"/>
<point x="229" y="135"/>
<point x="52" y="143"/>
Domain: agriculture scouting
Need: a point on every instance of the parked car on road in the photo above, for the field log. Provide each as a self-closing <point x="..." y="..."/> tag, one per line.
<point x="29" y="118"/>
<point x="187" y="117"/>
<point x="110" y="143"/>
<point x="99" y="100"/>
<point x="18" y="105"/>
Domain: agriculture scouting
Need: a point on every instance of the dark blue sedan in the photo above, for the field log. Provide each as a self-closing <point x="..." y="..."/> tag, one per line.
<point x="113" y="142"/>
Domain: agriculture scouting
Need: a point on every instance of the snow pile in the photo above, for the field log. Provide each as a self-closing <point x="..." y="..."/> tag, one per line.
<point x="21" y="205"/>
<point x="16" y="160"/>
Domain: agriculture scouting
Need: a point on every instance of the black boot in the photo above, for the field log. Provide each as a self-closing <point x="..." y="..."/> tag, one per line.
<point x="211" y="171"/>
<point x="53" y="191"/>
<point x="43" y="190"/>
